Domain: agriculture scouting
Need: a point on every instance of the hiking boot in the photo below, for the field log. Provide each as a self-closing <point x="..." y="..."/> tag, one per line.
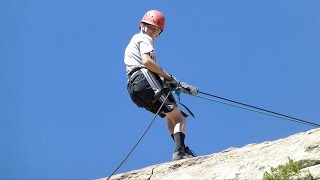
<point x="180" y="154"/>
<point x="190" y="152"/>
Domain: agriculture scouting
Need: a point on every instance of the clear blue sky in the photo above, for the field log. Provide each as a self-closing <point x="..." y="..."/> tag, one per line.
<point x="64" y="108"/>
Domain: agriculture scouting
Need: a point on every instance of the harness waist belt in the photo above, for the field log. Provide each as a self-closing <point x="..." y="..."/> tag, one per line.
<point x="133" y="71"/>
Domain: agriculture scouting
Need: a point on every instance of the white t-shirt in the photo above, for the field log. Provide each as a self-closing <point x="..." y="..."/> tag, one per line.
<point x="139" y="44"/>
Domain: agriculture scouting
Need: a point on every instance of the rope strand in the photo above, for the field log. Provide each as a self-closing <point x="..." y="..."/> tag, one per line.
<point x="255" y="109"/>
<point x="144" y="133"/>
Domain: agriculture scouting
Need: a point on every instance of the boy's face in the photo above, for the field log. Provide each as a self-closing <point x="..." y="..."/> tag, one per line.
<point x="152" y="31"/>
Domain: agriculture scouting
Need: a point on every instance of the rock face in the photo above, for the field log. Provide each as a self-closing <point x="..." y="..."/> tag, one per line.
<point x="248" y="162"/>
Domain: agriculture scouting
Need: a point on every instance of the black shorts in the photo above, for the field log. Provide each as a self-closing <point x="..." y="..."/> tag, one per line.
<point x="143" y="86"/>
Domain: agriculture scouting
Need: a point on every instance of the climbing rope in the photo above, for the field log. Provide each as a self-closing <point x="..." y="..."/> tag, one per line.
<point x="254" y="108"/>
<point x="194" y="91"/>
<point x="144" y="133"/>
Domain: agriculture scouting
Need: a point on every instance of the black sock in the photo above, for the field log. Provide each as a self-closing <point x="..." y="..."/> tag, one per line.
<point x="179" y="140"/>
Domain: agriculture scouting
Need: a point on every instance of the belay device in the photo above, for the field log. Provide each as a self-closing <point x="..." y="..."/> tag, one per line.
<point x="187" y="89"/>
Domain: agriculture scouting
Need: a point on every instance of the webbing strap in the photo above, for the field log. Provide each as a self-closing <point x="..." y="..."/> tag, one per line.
<point x="134" y="70"/>
<point x="160" y="93"/>
<point x="190" y="112"/>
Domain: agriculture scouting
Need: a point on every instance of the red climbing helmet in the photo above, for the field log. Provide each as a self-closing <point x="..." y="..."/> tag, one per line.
<point x="154" y="17"/>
